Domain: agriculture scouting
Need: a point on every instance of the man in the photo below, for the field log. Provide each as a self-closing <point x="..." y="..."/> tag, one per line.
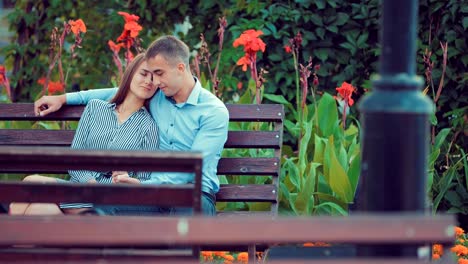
<point x="189" y="117"/>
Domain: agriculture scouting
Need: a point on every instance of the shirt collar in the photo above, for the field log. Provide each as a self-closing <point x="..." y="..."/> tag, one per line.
<point x="193" y="97"/>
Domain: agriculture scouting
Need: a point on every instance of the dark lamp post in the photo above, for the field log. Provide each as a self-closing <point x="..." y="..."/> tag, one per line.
<point x="395" y="122"/>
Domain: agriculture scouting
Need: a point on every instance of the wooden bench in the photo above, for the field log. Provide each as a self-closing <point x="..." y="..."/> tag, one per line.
<point x="264" y="141"/>
<point x="271" y="116"/>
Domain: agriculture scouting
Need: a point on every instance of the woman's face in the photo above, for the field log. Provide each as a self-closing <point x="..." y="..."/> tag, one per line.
<point x="142" y="85"/>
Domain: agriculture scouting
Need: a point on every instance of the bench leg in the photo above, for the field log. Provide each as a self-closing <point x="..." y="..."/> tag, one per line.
<point x="252" y="254"/>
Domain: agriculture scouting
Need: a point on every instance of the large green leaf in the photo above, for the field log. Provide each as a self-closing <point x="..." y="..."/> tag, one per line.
<point x="338" y="179"/>
<point x="303" y="200"/>
<point x="327" y="115"/>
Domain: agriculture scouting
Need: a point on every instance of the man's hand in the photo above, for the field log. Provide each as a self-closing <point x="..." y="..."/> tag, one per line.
<point x="123" y="177"/>
<point x="49" y="104"/>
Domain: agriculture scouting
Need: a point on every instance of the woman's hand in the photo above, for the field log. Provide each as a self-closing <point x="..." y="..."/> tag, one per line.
<point x="123" y="177"/>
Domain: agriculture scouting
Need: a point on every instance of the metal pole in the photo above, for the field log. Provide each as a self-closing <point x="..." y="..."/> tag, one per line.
<point x="395" y="122"/>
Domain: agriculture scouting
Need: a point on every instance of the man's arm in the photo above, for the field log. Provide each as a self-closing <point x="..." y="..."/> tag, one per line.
<point x="210" y="140"/>
<point x="49" y="104"/>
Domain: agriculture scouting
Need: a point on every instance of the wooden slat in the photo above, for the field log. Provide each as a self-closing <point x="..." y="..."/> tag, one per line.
<point x="226" y="166"/>
<point x="34" y="137"/>
<point x="58" y="255"/>
<point x="248" y="166"/>
<point x="253" y="139"/>
<point x="162" y="195"/>
<point x="248" y="192"/>
<point x="63" y="158"/>
<point x="98" y="231"/>
<point x="252" y="113"/>
<point x="25" y="111"/>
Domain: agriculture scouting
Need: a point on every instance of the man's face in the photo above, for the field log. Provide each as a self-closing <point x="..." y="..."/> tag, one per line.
<point x="167" y="75"/>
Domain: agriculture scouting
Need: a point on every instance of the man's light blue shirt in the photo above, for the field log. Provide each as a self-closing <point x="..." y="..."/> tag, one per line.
<point x="199" y="124"/>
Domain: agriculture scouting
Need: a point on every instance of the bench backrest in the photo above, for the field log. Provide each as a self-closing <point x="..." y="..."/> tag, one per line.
<point x="253" y="149"/>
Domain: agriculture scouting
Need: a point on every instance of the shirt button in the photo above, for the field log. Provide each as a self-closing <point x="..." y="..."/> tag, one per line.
<point x="170" y="143"/>
<point x="172" y="125"/>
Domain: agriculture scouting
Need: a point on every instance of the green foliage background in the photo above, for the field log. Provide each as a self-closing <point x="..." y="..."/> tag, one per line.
<point x="341" y="35"/>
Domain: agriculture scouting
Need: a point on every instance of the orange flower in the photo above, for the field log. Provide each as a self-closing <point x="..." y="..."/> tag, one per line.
<point x="463" y="261"/>
<point x="251" y="41"/>
<point x="77" y="26"/>
<point x="243" y="257"/>
<point x="244" y="61"/>
<point x="129" y="17"/>
<point x="308" y="244"/>
<point x="219" y="253"/>
<point x="460" y="250"/>
<point x="287" y="49"/>
<point x="133" y="27"/>
<point x="114" y="47"/>
<point x="345" y="91"/>
<point x="435" y="256"/>
<point x="437" y="248"/>
<point x="52" y="87"/>
<point x="459" y="231"/>
<point x="228" y="257"/>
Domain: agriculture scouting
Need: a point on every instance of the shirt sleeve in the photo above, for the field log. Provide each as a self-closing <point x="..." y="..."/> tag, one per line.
<point x="83" y="97"/>
<point x="210" y="142"/>
<point x="150" y="143"/>
<point x="79" y="142"/>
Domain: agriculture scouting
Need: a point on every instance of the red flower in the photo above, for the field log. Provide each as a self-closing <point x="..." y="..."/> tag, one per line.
<point x="133" y="27"/>
<point x="345" y="92"/>
<point x="244" y="62"/>
<point x="77" y="26"/>
<point x="2" y="74"/>
<point x="129" y="17"/>
<point x="52" y="87"/>
<point x="114" y="47"/>
<point x="287" y="49"/>
<point x="251" y="41"/>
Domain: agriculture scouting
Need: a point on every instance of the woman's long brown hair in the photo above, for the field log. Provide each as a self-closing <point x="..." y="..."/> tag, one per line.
<point x="127" y="78"/>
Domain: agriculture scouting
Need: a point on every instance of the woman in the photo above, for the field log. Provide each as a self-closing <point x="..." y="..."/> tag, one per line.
<point x="121" y="124"/>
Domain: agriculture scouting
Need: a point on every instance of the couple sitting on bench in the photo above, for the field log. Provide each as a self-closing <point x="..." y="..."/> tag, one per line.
<point x="159" y="105"/>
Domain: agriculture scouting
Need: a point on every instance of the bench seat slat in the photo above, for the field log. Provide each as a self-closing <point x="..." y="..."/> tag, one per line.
<point x="259" y="113"/>
<point x="226" y="166"/>
<point x="147" y="231"/>
<point x="248" y="166"/>
<point x="162" y="195"/>
<point x="34" y="137"/>
<point x="237" y="113"/>
<point x="247" y="192"/>
<point x="25" y="111"/>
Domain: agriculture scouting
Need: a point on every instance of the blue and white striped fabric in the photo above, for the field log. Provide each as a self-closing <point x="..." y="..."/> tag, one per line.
<point x="99" y="129"/>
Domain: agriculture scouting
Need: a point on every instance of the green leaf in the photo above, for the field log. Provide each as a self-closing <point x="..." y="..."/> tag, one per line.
<point x="334" y="206"/>
<point x="277" y="99"/>
<point x="320" y="4"/>
<point x="444" y="184"/>
<point x="338" y="179"/>
<point x="440" y="138"/>
<point x="354" y="172"/>
<point x="362" y="40"/>
<point x="303" y="200"/>
<point x="322" y="54"/>
<point x="319" y="149"/>
<point x="342" y="18"/>
<point x="293" y="174"/>
<point x="465" y="23"/>
<point x="327" y="115"/>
